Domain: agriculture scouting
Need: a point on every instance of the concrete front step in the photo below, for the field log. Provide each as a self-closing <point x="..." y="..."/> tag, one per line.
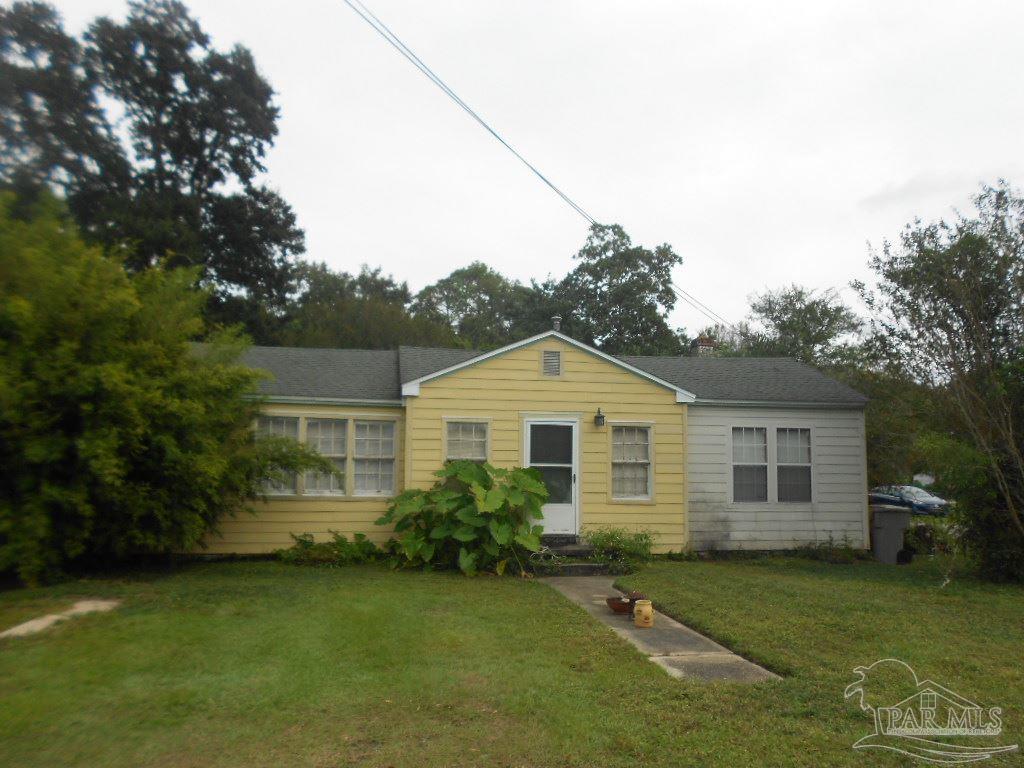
<point x="573" y="550"/>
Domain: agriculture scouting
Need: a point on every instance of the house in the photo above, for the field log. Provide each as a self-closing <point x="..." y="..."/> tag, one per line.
<point x="705" y="452"/>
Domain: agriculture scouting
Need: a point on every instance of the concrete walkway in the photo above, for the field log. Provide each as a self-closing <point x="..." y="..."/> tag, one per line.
<point x="34" y="626"/>
<point x="674" y="647"/>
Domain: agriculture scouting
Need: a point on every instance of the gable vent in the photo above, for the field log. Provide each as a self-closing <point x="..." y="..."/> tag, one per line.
<point x="551" y="362"/>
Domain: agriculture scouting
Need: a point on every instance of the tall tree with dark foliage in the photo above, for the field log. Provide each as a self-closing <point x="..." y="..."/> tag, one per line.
<point x="949" y="306"/>
<point x="178" y="183"/>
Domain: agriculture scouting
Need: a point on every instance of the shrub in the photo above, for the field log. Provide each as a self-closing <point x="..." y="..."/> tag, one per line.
<point x="336" y="552"/>
<point x="623" y="550"/>
<point x="987" y="533"/>
<point x="831" y="552"/>
<point x="476" y="517"/>
<point x="118" y="436"/>
<point x="932" y="536"/>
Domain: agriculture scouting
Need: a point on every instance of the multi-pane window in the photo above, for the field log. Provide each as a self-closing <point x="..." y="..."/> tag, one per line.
<point x="279" y="426"/>
<point x="793" y="457"/>
<point x="631" y="462"/>
<point x="330" y="438"/>
<point x="749" y="464"/>
<point x="466" y="440"/>
<point x="374" y="457"/>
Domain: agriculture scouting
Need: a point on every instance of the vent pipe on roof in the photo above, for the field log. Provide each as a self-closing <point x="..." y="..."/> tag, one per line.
<point x="556" y="322"/>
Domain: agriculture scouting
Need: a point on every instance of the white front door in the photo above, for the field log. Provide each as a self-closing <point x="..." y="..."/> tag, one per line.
<point x="551" y="448"/>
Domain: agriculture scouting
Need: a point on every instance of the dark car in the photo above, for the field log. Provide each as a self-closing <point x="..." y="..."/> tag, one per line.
<point x="918" y="500"/>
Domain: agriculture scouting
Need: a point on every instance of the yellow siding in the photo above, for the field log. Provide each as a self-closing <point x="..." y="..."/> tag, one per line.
<point x="502" y="390"/>
<point x="506" y="388"/>
<point x="273" y="520"/>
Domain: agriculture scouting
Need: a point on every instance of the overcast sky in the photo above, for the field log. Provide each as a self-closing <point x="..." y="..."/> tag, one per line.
<point x="767" y="142"/>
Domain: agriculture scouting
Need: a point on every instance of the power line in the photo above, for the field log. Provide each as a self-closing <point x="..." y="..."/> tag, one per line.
<point x="701" y="307"/>
<point x="714" y="320"/>
<point x="370" y="18"/>
<point x="384" y="31"/>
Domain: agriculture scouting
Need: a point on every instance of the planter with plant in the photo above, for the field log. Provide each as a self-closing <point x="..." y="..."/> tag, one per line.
<point x="475" y="518"/>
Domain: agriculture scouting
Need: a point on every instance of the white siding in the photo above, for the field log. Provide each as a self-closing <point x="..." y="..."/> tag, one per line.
<point x="839" y="481"/>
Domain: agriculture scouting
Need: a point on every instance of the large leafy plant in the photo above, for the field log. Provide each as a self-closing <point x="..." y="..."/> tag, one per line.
<point x="476" y="517"/>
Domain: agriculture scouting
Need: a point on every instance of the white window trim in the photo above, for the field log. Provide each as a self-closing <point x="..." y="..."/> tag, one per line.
<point x="767" y="464"/>
<point x="485" y="420"/>
<point x="649" y="498"/>
<point x="393" y="458"/>
<point x="349" y="494"/>
<point x="773" y="503"/>
<point x="300" y="436"/>
<point x="809" y="465"/>
<point x="304" y="429"/>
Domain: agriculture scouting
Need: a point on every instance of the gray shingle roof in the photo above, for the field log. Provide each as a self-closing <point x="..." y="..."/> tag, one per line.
<point x="767" y="379"/>
<point x="337" y="374"/>
<point x="415" y="362"/>
<point x="363" y="374"/>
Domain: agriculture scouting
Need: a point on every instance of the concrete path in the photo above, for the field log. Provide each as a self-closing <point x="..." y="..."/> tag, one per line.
<point x="674" y="647"/>
<point x="33" y="626"/>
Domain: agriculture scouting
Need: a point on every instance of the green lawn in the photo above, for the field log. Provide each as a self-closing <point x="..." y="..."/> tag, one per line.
<point x="259" y="664"/>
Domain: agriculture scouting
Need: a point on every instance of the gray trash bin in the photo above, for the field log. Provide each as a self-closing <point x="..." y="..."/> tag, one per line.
<point x="887" y="528"/>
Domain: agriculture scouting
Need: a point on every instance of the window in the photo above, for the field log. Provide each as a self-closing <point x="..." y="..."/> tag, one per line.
<point x="928" y="700"/>
<point x="631" y="462"/>
<point x="466" y="440"/>
<point x="551" y="362"/>
<point x="374" y="457"/>
<point x="329" y="437"/>
<point x="749" y="464"/>
<point x="279" y="426"/>
<point x="793" y="459"/>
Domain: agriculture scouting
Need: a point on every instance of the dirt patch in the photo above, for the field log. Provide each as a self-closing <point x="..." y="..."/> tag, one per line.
<point x="34" y="626"/>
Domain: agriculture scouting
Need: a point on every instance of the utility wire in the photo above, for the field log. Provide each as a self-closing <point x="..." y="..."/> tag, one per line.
<point x="368" y="16"/>
<point x="384" y="31"/>
<point x="701" y="307"/>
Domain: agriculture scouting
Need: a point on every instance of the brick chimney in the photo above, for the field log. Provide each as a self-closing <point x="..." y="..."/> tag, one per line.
<point x="703" y="346"/>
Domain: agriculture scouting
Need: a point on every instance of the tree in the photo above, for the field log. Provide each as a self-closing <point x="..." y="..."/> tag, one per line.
<point x="804" y="324"/>
<point x="367" y="311"/>
<point x="183" y="189"/>
<point x="620" y="295"/>
<point x="476" y="302"/>
<point x="118" y="436"/>
<point x="950" y="306"/>
<point x="53" y="129"/>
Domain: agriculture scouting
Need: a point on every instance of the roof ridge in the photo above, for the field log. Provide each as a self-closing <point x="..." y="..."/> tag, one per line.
<point x="320" y="349"/>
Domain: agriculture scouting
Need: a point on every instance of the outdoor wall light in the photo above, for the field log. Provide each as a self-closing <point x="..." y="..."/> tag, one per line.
<point x="599" y="418"/>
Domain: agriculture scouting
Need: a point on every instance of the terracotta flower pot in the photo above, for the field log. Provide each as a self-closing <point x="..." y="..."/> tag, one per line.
<point x="619" y="604"/>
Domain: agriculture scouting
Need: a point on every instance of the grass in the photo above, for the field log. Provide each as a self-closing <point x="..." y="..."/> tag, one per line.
<point x="261" y="664"/>
<point x="21" y="607"/>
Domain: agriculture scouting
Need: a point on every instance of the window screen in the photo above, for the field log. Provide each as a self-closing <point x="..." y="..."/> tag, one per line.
<point x="793" y="458"/>
<point x="631" y="462"/>
<point x="279" y="426"/>
<point x="467" y="440"/>
<point x="749" y="464"/>
<point x="330" y="438"/>
<point x="374" y="457"/>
